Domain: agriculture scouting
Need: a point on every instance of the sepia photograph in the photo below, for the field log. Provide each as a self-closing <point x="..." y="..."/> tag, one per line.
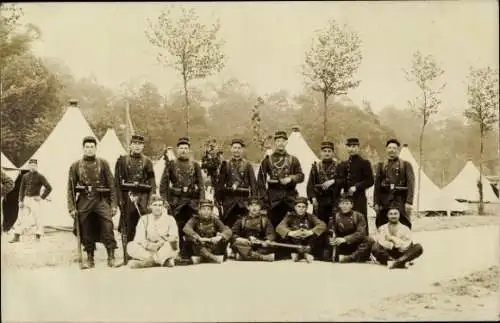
<point x="250" y="161"/>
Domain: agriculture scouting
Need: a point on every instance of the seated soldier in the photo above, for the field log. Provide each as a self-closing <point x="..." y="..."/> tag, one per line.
<point x="206" y="235"/>
<point x="301" y="228"/>
<point x="393" y="244"/>
<point x="252" y="234"/>
<point x="349" y="240"/>
<point x="156" y="240"/>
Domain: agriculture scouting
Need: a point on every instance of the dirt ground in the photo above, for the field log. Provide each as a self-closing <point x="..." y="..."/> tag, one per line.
<point x="471" y="297"/>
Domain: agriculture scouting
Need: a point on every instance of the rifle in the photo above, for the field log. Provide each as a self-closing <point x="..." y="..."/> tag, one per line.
<point x="135" y="187"/>
<point x="300" y="248"/>
<point x="77" y="224"/>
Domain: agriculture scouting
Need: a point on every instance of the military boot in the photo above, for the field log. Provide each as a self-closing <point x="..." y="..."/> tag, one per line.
<point x="37" y="237"/>
<point x="15" y="238"/>
<point x="111" y="258"/>
<point x="90" y="261"/>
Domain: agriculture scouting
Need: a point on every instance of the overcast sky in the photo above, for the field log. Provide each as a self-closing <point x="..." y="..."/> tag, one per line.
<point x="265" y="42"/>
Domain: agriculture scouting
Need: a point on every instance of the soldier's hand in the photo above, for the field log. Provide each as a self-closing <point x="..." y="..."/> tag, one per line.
<point x="376" y="207"/>
<point x="293" y="233"/>
<point x="339" y="241"/>
<point x="266" y="243"/>
<point x="408" y="208"/>
<point x="21" y="205"/>
<point x="242" y="241"/>
<point x="327" y="184"/>
<point x="352" y="189"/>
<point x="315" y="203"/>
<point x="73" y="213"/>
<point x="216" y="239"/>
<point x="307" y="233"/>
<point x="134" y="198"/>
<point x="37" y="198"/>
<point x="285" y="180"/>
<point x="252" y="239"/>
<point x="332" y="241"/>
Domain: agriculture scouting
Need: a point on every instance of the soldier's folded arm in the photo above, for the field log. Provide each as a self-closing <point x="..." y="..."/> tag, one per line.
<point x="298" y="175"/>
<point x="189" y="229"/>
<point x="283" y="229"/>
<point x="381" y="238"/>
<point x="270" y="234"/>
<point x="223" y="230"/>
<point x="236" y="229"/>
<point x="410" y="182"/>
<point x="360" y="230"/>
<point x="319" y="226"/>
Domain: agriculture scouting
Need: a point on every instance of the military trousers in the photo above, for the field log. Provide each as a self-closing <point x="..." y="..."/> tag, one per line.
<point x="358" y="251"/>
<point x="382" y="254"/>
<point x="29" y="215"/>
<point x="138" y="252"/>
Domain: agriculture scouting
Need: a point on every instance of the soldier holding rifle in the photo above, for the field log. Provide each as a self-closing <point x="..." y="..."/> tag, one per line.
<point x="182" y="186"/>
<point x="394" y="184"/>
<point x="323" y="191"/>
<point x="135" y="185"/>
<point x="92" y="202"/>
<point x="279" y="174"/>
<point x="235" y="184"/>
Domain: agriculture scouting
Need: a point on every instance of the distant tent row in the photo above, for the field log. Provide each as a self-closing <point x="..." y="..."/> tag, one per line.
<point x="64" y="146"/>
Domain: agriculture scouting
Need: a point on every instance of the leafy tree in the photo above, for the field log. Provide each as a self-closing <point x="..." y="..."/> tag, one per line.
<point x="482" y="110"/>
<point x="331" y="63"/>
<point x="426" y="74"/>
<point x="188" y="46"/>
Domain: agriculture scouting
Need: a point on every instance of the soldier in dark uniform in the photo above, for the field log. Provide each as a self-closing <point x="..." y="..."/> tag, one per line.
<point x="6" y="186"/>
<point x="355" y="177"/>
<point x="206" y="235"/>
<point x="235" y="184"/>
<point x="252" y="233"/>
<point x="92" y="200"/>
<point x="394" y="184"/>
<point x="302" y="228"/>
<point x="182" y="186"/>
<point x="30" y="195"/>
<point x="135" y="185"/>
<point x="279" y="173"/>
<point x="349" y="240"/>
<point x="323" y="191"/>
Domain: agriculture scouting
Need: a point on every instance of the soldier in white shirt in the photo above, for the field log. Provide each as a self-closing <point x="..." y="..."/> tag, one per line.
<point x="393" y="243"/>
<point x="156" y="240"/>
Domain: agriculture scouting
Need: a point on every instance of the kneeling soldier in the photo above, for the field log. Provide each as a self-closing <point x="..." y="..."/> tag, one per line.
<point x="156" y="240"/>
<point x="349" y="241"/>
<point x="206" y="235"/>
<point x="252" y="234"/>
<point x="301" y="228"/>
<point x="393" y="244"/>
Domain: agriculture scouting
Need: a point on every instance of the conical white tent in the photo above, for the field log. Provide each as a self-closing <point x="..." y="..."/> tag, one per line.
<point x="298" y="147"/>
<point x="464" y="186"/>
<point x="159" y="166"/>
<point x="61" y="148"/>
<point x="110" y="148"/>
<point x="5" y="162"/>
<point x="432" y="198"/>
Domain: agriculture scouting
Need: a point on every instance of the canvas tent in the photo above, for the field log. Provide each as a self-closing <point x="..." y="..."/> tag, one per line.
<point x="5" y="162"/>
<point x="110" y="148"/>
<point x="432" y="198"/>
<point x="464" y="186"/>
<point x="159" y="165"/>
<point x="62" y="147"/>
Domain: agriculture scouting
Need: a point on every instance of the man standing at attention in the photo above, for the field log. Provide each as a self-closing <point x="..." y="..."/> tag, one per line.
<point x="29" y="200"/>
<point x="394" y="184"/>
<point x="355" y="177"/>
<point x="182" y="186"/>
<point x="235" y="184"/>
<point x="279" y="174"/>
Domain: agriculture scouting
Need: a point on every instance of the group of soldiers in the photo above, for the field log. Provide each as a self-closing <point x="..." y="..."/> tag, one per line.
<point x="260" y="217"/>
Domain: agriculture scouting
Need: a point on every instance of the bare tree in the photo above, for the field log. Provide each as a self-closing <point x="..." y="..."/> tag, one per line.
<point x="426" y="74"/>
<point x="483" y="109"/>
<point x="331" y="62"/>
<point x="188" y="46"/>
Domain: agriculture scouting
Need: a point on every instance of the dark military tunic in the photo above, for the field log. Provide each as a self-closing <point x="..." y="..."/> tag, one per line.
<point x="198" y="227"/>
<point x="182" y="186"/>
<point x="238" y="172"/>
<point x="94" y="208"/>
<point x="10" y="204"/>
<point x="356" y="171"/>
<point x="133" y="168"/>
<point x="252" y="226"/>
<point x="352" y="227"/>
<point x="31" y="185"/>
<point x="292" y="221"/>
<point x="394" y="185"/>
<point x="279" y="198"/>
<point x="327" y="199"/>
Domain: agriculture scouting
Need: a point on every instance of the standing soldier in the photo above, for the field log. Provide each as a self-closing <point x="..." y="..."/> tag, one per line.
<point x="92" y="201"/>
<point x="135" y="185"/>
<point x="394" y="184"/>
<point x="279" y="173"/>
<point x="323" y="191"/>
<point x="6" y="186"/>
<point x="182" y="186"/>
<point x="235" y="184"/>
<point x="356" y="176"/>
<point x="29" y="200"/>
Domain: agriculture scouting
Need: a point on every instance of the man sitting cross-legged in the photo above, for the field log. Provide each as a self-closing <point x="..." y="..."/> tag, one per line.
<point x="393" y="243"/>
<point x="349" y="240"/>
<point x="156" y="240"/>
<point x="301" y="228"/>
<point x="252" y="233"/>
<point x="206" y="235"/>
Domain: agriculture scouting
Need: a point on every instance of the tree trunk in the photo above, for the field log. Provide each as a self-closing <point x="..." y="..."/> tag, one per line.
<point x="325" y="114"/>
<point x="186" y="98"/>
<point x="480" y="184"/>
<point x="420" y="158"/>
